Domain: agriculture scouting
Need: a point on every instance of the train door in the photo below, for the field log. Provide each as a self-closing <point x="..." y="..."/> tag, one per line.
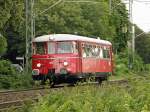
<point x="88" y="59"/>
<point x="98" y="56"/>
<point x="106" y="60"/>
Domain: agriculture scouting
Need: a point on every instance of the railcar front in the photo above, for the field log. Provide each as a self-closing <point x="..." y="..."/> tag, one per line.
<point x="57" y="61"/>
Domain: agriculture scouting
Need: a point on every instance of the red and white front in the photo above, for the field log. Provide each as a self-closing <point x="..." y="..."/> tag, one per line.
<point x="62" y="57"/>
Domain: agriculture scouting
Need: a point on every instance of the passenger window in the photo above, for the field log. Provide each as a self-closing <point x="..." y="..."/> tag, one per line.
<point x="106" y="53"/>
<point x="88" y="51"/>
<point x="84" y="54"/>
<point x="93" y="51"/>
<point x="75" y="47"/>
<point x="101" y="53"/>
<point x="97" y="51"/>
<point x="85" y="51"/>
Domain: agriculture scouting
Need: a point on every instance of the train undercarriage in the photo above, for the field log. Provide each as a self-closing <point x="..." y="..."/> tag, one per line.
<point x="53" y="78"/>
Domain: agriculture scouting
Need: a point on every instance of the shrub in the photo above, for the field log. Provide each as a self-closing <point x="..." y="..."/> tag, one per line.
<point x="5" y="68"/>
<point x="122" y="65"/>
<point x="9" y="78"/>
<point x="138" y="63"/>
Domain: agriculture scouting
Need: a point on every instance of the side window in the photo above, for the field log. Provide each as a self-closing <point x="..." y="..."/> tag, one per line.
<point x="106" y="53"/>
<point x="101" y="53"/>
<point x="83" y="51"/>
<point x="86" y="51"/>
<point x="95" y="51"/>
<point x="75" y="47"/>
<point x="89" y="50"/>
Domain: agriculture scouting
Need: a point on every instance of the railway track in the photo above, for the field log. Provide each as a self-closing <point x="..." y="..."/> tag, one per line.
<point x="18" y="98"/>
<point x="122" y="81"/>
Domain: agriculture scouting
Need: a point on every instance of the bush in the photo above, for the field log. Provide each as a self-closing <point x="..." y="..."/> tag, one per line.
<point x="5" y="68"/>
<point x="9" y="78"/>
<point x="138" y="63"/>
<point x="122" y="66"/>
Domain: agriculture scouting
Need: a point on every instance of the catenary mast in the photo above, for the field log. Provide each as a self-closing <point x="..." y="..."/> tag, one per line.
<point x="30" y="29"/>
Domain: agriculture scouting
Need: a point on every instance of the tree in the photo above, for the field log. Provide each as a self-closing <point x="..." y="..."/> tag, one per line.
<point x="142" y="45"/>
<point x="3" y="45"/>
<point x="93" y="20"/>
<point x="119" y="19"/>
<point x="5" y="9"/>
<point x="14" y="30"/>
<point x="86" y="19"/>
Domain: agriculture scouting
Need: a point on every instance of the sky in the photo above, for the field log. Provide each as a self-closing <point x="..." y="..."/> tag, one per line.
<point x="141" y="14"/>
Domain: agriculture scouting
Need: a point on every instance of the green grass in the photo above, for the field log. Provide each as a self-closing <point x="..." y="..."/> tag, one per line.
<point x="107" y="98"/>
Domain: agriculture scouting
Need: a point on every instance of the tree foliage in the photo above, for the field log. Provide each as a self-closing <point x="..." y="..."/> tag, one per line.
<point x="12" y="26"/>
<point x="3" y="45"/>
<point x="86" y="19"/>
<point x="142" y="45"/>
<point x="5" y="10"/>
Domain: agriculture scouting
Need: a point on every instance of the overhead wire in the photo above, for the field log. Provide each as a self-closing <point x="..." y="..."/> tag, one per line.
<point x="142" y="1"/>
<point x="50" y="7"/>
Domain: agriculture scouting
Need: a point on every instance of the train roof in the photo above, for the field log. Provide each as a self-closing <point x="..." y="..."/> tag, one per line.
<point x="66" y="37"/>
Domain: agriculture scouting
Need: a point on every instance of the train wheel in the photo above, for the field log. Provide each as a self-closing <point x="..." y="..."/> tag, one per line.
<point x="99" y="80"/>
<point x="52" y="80"/>
<point x="51" y="83"/>
<point x="43" y="81"/>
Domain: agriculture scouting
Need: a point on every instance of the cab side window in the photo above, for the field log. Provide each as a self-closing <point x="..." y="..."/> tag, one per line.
<point x="106" y="53"/>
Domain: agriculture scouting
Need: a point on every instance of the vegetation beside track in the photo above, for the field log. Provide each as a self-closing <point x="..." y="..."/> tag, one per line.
<point x="133" y="97"/>
<point x="11" y="79"/>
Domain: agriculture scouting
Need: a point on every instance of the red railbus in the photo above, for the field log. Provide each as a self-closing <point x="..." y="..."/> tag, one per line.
<point x="68" y="58"/>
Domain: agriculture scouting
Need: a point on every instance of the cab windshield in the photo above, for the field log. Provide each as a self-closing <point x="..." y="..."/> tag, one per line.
<point x="66" y="47"/>
<point x="39" y="48"/>
<point x="54" y="47"/>
<point x="51" y="48"/>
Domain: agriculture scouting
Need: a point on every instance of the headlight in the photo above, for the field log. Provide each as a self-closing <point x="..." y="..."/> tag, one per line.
<point x="65" y="63"/>
<point x="38" y="65"/>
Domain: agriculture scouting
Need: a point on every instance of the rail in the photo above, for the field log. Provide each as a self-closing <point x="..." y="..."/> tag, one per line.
<point x="16" y="98"/>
